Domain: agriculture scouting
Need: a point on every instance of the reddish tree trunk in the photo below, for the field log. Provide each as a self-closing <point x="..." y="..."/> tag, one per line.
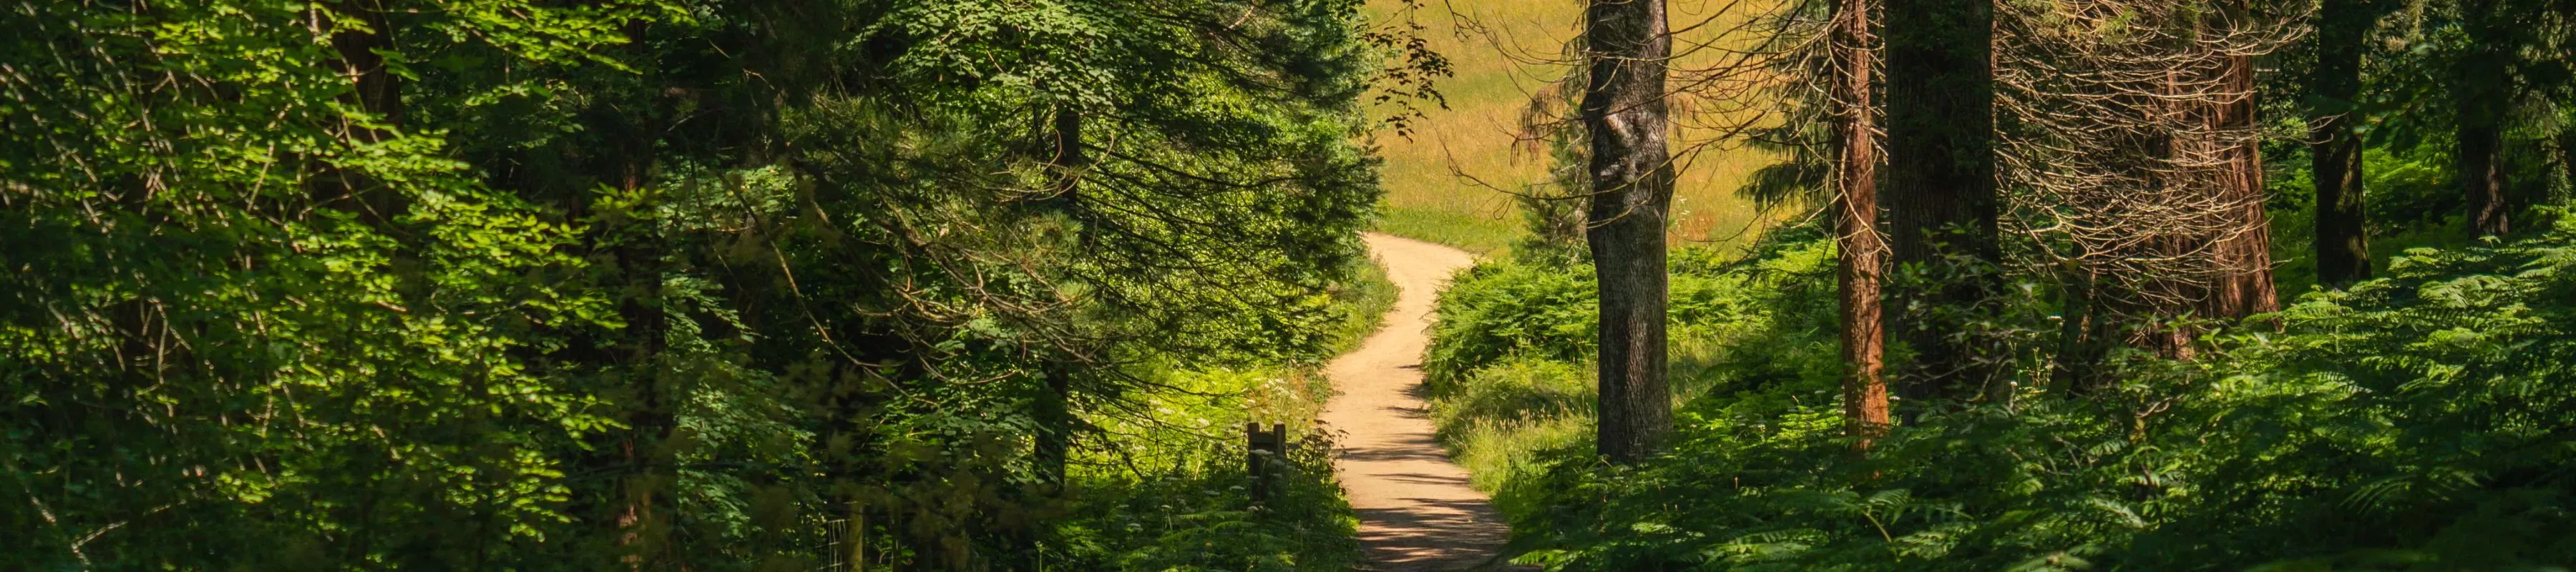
<point x="1863" y="253"/>
<point x="2242" y="257"/>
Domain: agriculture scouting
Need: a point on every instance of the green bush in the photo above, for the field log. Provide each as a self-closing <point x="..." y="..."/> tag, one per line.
<point x="2418" y="422"/>
<point x="1499" y="421"/>
<point x="1512" y="376"/>
<point x="1200" y="516"/>
<point x="1168" y="491"/>
<point x="1500" y="309"/>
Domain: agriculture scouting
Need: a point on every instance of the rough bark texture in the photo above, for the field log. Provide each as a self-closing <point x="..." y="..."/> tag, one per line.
<point x="2482" y="176"/>
<point x="2342" y="242"/>
<point x="1940" y="194"/>
<point x="1632" y="189"/>
<point x="2242" y="281"/>
<point x="1862" y="252"/>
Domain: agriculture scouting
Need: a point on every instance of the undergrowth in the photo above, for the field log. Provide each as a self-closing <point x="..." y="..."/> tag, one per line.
<point x="2417" y="422"/>
<point x="1168" y="492"/>
<point x="1509" y="372"/>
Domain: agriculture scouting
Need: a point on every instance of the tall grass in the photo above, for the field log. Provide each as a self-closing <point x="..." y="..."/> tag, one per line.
<point x="1447" y="183"/>
<point x="1510" y="369"/>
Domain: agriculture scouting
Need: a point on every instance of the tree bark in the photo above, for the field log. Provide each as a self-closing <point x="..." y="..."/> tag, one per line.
<point x="1862" y="252"/>
<point x="1940" y="194"/>
<point x="1055" y="426"/>
<point x="1623" y="111"/>
<point x="2242" y="257"/>
<point x="2342" y="241"/>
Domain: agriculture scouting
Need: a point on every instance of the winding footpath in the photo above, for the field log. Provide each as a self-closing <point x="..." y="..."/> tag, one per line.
<point x="1416" y="511"/>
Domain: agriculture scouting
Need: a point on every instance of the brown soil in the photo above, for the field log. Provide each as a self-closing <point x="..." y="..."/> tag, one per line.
<point x="1415" y="507"/>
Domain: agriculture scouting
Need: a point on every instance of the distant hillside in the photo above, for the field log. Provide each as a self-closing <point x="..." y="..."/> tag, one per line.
<point x="1502" y="51"/>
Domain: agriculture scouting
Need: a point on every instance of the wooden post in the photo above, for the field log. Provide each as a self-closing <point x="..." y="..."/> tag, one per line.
<point x="1252" y="465"/>
<point x="1263" y="450"/>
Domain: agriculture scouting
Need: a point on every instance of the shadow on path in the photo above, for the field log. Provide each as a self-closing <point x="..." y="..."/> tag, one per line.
<point x="1416" y="510"/>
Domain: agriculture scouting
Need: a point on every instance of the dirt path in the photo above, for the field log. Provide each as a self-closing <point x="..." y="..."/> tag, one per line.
<point x="1416" y="510"/>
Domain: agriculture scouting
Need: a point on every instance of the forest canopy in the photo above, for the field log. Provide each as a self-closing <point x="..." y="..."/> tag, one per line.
<point x="648" y="284"/>
<point x="992" y="285"/>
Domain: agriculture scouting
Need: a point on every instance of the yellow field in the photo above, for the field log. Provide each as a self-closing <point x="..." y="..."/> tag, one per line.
<point x="1504" y="51"/>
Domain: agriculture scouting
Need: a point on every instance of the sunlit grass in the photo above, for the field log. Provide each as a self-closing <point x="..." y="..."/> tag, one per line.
<point x="1500" y="421"/>
<point x="1497" y="422"/>
<point x="1447" y="183"/>
<point x="1463" y="228"/>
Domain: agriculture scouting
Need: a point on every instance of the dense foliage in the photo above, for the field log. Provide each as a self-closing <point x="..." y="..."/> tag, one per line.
<point x="2414" y="422"/>
<point x="658" y="284"/>
<point x="2085" y="355"/>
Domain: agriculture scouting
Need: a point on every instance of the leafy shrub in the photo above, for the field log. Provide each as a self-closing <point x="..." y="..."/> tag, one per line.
<point x="1201" y="517"/>
<point x="2418" y="422"/>
<point x="1500" y="309"/>
<point x="1167" y="491"/>
<point x="1362" y="299"/>
<point x="1522" y="396"/>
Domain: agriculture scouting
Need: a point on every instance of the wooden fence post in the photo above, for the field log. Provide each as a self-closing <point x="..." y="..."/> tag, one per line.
<point x="1265" y="454"/>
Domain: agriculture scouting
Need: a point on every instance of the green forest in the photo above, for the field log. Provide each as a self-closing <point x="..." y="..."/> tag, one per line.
<point x="673" y="285"/>
<point x="979" y="285"/>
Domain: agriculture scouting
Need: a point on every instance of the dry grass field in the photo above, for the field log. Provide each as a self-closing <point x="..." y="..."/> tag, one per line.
<point x="1504" y="51"/>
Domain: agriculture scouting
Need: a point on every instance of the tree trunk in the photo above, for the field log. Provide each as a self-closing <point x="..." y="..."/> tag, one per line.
<point x="651" y="418"/>
<point x="2567" y="156"/>
<point x="1054" y="411"/>
<point x="2342" y="241"/>
<point x="1632" y="188"/>
<point x="644" y="534"/>
<point x="2242" y="255"/>
<point x="2479" y="93"/>
<point x="1862" y="252"/>
<point x="1940" y="198"/>
<point x="2082" y="331"/>
<point x="2481" y="146"/>
<point x="1054" y="416"/>
<point x="377" y="91"/>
